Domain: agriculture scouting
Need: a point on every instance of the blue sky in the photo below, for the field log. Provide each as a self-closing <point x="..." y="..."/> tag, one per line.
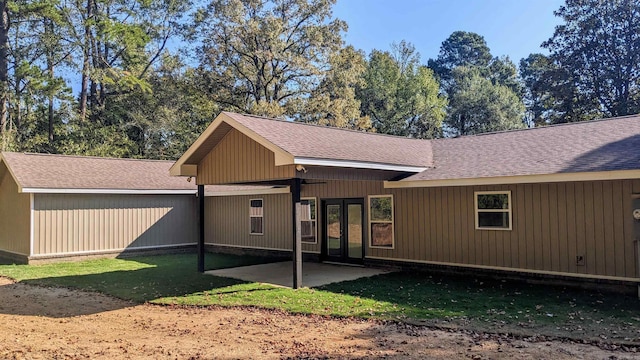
<point x="511" y="27"/>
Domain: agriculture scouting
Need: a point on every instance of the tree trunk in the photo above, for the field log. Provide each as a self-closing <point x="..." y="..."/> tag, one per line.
<point x="84" y="90"/>
<point x="95" y="62"/>
<point x="50" y="69"/>
<point x="4" y="70"/>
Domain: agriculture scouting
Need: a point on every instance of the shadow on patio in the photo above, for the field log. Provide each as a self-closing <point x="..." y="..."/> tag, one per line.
<point x="313" y="274"/>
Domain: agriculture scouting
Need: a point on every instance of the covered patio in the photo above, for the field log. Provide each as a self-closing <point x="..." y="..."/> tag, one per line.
<point x="313" y="274"/>
<point x="307" y="161"/>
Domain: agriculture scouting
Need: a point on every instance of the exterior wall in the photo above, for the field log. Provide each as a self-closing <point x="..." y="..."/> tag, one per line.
<point x="552" y="224"/>
<point x="228" y="216"/>
<point x="15" y="217"/>
<point x="228" y="222"/>
<point x="238" y="158"/>
<point x="341" y="189"/>
<point x="92" y="223"/>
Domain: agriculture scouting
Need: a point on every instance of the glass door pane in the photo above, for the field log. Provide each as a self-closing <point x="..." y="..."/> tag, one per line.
<point x="334" y="231"/>
<point x="354" y="233"/>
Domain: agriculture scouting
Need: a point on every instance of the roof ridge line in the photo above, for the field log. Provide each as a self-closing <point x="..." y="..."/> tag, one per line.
<point x="328" y="127"/>
<point x="88" y="157"/>
<point x="550" y="126"/>
<point x="573" y="123"/>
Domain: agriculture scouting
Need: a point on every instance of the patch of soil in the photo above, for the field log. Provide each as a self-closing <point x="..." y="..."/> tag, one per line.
<point x="54" y="323"/>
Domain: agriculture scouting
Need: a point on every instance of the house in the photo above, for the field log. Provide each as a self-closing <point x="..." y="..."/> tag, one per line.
<point x="61" y="207"/>
<point x="559" y="201"/>
<point x="55" y="206"/>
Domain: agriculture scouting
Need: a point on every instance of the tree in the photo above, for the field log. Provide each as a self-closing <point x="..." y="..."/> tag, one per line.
<point x="5" y="24"/>
<point x="334" y="102"/>
<point x="400" y="95"/>
<point x="113" y="44"/>
<point x="117" y="42"/>
<point x="31" y="85"/>
<point x="599" y="48"/>
<point x="461" y="48"/>
<point x="502" y="71"/>
<point x="551" y="95"/>
<point x="479" y="106"/>
<point x="484" y="91"/>
<point x="267" y="57"/>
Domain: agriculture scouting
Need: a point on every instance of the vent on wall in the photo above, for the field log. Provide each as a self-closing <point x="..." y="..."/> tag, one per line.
<point x="580" y="260"/>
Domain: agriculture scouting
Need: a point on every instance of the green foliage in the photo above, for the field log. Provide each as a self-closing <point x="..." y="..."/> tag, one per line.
<point x="477" y="105"/>
<point x="484" y="92"/>
<point x="551" y="94"/>
<point x="597" y="49"/>
<point x="163" y="123"/>
<point x="334" y="102"/>
<point x="269" y="57"/>
<point x="113" y="46"/>
<point x="493" y="201"/>
<point x="286" y="58"/>
<point x="381" y="208"/>
<point x="400" y="95"/>
<point x="461" y="48"/>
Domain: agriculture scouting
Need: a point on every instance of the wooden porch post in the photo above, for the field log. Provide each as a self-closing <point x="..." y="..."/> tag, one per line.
<point x="297" y="235"/>
<point x="201" y="228"/>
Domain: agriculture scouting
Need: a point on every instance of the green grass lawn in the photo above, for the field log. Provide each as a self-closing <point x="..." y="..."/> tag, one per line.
<point x="497" y="306"/>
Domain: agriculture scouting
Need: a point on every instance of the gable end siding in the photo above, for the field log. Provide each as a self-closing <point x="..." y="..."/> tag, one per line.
<point x="238" y="158"/>
<point x="15" y="215"/>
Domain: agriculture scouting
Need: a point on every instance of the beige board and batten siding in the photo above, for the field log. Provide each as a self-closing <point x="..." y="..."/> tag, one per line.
<point x="228" y="216"/>
<point x="343" y="189"/>
<point x="93" y="223"/>
<point x="15" y="217"/>
<point x="240" y="159"/>
<point x="228" y="223"/>
<point x="553" y="223"/>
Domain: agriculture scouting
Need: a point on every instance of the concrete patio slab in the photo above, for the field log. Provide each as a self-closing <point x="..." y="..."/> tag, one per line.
<point x="313" y="274"/>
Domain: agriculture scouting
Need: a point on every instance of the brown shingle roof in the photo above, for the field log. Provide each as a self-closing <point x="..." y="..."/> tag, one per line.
<point x="601" y="145"/>
<point x="322" y="142"/>
<point x="44" y="171"/>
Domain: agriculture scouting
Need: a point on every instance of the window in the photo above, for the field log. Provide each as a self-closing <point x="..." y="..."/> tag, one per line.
<point x="256" y="217"/>
<point x="493" y="210"/>
<point x="381" y="221"/>
<point x="308" y="220"/>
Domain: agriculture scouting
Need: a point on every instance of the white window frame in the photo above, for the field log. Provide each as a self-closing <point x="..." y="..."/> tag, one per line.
<point x="315" y="220"/>
<point x="508" y="210"/>
<point x="256" y="216"/>
<point x="392" y="222"/>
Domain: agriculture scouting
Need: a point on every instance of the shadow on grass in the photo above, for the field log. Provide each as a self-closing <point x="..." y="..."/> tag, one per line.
<point x="481" y="304"/>
<point x="141" y="279"/>
<point x="501" y="305"/>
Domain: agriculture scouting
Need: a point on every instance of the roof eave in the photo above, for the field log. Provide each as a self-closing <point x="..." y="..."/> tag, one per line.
<point x="519" y="179"/>
<point x="183" y="170"/>
<point x="357" y="164"/>
<point x="35" y="190"/>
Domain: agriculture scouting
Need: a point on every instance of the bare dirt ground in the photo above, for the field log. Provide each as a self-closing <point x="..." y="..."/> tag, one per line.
<point x="53" y="323"/>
